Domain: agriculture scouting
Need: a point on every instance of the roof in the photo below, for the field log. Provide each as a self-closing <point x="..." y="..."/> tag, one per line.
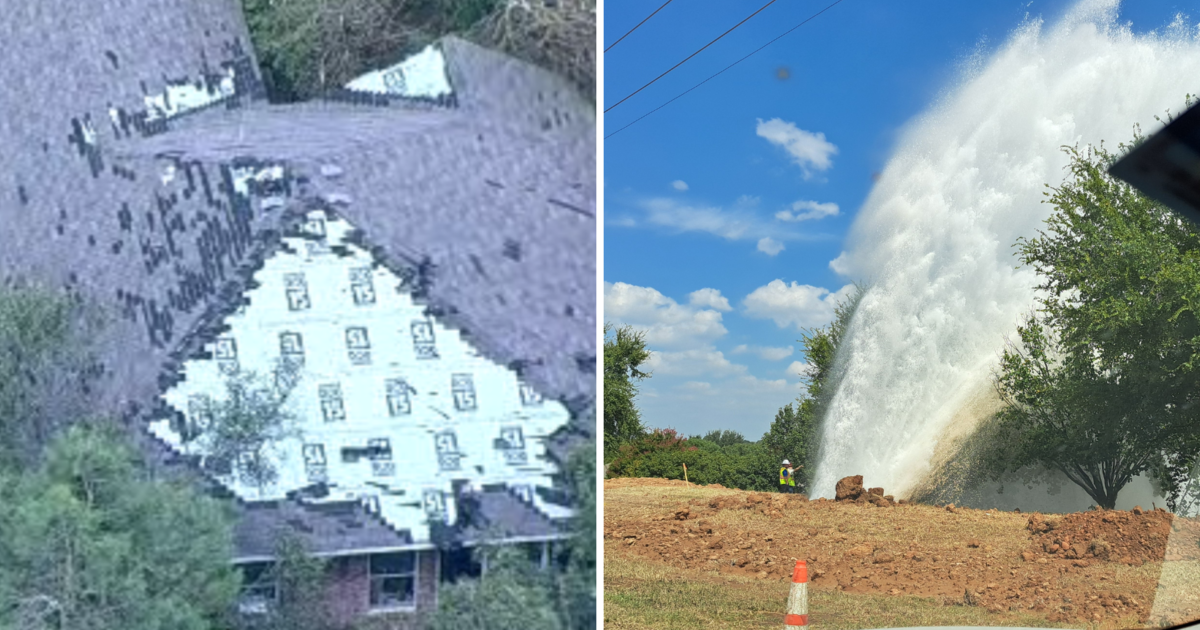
<point x="146" y="213"/>
<point x="390" y="408"/>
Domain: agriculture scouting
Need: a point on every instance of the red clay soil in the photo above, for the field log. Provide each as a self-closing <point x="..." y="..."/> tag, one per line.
<point x="1061" y="566"/>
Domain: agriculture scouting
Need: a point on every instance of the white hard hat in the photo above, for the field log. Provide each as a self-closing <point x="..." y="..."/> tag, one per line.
<point x="787" y="463"/>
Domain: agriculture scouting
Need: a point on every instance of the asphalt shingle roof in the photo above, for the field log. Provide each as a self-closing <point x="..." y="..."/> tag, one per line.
<point x="496" y="196"/>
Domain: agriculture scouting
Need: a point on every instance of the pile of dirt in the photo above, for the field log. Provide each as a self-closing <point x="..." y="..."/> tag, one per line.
<point x="1001" y="561"/>
<point x="1134" y="538"/>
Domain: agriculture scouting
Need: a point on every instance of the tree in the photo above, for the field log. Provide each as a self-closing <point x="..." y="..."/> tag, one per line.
<point x="1118" y="324"/>
<point x="577" y="585"/>
<point x="244" y="425"/>
<point x="512" y="595"/>
<point x="724" y="438"/>
<point x="793" y="434"/>
<point x="790" y="437"/>
<point x="624" y="353"/>
<point x="34" y="330"/>
<point x="1063" y="413"/>
<point x="91" y="541"/>
<point x="302" y="580"/>
<point x="663" y="452"/>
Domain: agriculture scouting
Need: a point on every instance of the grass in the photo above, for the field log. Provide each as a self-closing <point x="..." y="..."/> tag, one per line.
<point x="643" y="595"/>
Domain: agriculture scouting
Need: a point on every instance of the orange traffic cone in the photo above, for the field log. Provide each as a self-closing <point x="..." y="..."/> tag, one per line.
<point x="797" y="605"/>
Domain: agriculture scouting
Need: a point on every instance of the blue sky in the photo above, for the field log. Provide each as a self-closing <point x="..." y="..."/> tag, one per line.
<point x="725" y="211"/>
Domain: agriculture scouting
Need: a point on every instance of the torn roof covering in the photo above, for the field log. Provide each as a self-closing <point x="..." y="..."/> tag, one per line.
<point x="181" y="97"/>
<point x="390" y="407"/>
<point x="422" y="75"/>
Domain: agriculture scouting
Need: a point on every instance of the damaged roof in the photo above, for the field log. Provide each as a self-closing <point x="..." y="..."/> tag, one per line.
<point x="133" y="135"/>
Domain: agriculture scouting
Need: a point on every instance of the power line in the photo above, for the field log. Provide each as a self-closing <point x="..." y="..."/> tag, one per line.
<point x="691" y="55"/>
<point x="636" y="27"/>
<point x="813" y="16"/>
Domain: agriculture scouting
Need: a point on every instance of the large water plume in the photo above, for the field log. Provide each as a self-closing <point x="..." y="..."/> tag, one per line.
<point x="935" y="236"/>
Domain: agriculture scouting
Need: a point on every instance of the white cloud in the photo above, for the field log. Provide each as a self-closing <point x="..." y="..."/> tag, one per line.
<point x="805" y="210"/>
<point x="809" y="150"/>
<point x="766" y="352"/>
<point x="686" y="218"/>
<point x="679" y="185"/>
<point x="740" y="221"/>
<point x="666" y="322"/>
<point x="796" y="369"/>
<point x="798" y="305"/>
<point x="623" y="221"/>
<point x="704" y="361"/>
<point x="697" y="386"/>
<point x="710" y="298"/>
<point x="840" y="265"/>
<point x="769" y="246"/>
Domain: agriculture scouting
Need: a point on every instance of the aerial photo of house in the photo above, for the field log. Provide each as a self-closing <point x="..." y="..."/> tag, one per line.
<point x="385" y="297"/>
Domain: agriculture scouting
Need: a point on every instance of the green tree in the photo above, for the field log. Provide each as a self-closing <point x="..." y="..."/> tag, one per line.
<point x="91" y="540"/>
<point x="793" y="434"/>
<point x="34" y="329"/>
<point x="724" y="438"/>
<point x="1120" y="287"/>
<point x="302" y="580"/>
<point x="577" y="585"/>
<point x="247" y="422"/>
<point x="624" y="353"/>
<point x="790" y="438"/>
<point x="1062" y="413"/>
<point x="512" y="595"/>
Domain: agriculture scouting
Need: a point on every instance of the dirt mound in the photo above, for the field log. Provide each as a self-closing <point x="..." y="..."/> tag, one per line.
<point x="1000" y="561"/>
<point x="1133" y="538"/>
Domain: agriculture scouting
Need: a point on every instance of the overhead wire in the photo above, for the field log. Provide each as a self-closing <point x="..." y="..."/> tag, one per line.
<point x="809" y="19"/>
<point x="610" y="46"/>
<point x="760" y="10"/>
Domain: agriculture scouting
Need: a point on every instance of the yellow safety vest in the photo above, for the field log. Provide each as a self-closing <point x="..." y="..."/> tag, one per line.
<point x="785" y="479"/>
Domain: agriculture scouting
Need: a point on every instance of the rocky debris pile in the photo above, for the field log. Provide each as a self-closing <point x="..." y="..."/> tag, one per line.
<point x="850" y="489"/>
<point x="1133" y="537"/>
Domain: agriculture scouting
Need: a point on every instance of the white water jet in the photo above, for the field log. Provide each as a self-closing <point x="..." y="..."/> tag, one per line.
<point x="935" y="236"/>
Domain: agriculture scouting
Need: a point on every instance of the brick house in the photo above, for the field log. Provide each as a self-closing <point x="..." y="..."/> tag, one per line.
<point x="452" y="213"/>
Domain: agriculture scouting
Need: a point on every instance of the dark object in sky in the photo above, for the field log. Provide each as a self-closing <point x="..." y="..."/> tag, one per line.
<point x="1166" y="167"/>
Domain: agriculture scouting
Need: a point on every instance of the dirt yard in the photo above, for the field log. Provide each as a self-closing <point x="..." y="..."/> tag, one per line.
<point x="1100" y="568"/>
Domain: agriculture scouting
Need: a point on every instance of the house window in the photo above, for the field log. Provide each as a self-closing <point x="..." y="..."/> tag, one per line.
<point x="260" y="588"/>
<point x="393" y="580"/>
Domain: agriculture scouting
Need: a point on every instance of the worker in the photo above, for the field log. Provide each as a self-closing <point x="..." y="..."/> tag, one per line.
<point x="787" y="478"/>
